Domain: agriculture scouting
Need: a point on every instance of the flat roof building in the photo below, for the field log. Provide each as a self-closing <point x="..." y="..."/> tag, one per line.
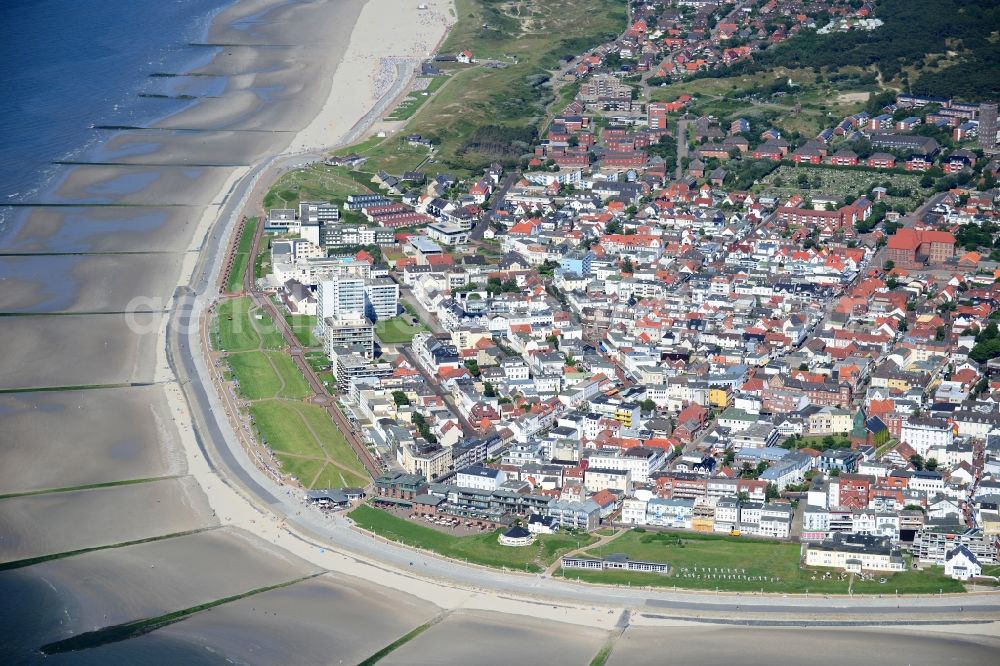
<point x="348" y="333"/>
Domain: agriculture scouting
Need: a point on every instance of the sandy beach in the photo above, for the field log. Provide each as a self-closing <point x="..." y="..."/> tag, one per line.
<point x="478" y="637"/>
<point x="765" y="646"/>
<point x="388" y="33"/>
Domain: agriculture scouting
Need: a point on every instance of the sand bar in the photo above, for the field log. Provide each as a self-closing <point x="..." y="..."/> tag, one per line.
<point x="138" y="185"/>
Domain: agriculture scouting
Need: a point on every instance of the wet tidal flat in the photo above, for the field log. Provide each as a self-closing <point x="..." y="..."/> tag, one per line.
<point x="121" y="585"/>
<point x="332" y="619"/>
<point x="66" y="439"/>
<point x="100" y="229"/>
<point x="78" y="350"/>
<point x="88" y="283"/>
<point x="40" y="525"/>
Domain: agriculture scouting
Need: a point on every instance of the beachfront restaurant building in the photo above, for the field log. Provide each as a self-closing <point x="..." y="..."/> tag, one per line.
<point x="614" y="562"/>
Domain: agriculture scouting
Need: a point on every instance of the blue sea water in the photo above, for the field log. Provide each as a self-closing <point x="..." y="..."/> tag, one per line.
<point x="67" y="65"/>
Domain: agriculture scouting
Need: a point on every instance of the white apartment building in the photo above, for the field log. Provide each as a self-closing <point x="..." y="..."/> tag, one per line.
<point x="429" y="462"/>
<point x="596" y="479"/>
<point x="775" y="521"/>
<point x="480" y="478"/>
<point x="750" y="514"/>
<point x="341" y="298"/>
<point x="815" y="519"/>
<point x="855" y="553"/>
<point x="676" y="513"/>
<point x="876" y="524"/>
<point x="634" y="511"/>
<point x="354" y="297"/>
<point x="923" y="434"/>
<point x="817" y="495"/>
<point x="515" y="369"/>
<point x="727" y="515"/>
<point x="381" y="299"/>
<point x="928" y="482"/>
<point x="641" y="461"/>
<point x="312" y="271"/>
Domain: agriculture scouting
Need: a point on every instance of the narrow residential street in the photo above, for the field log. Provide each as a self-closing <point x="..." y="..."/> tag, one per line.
<point x="682" y="145"/>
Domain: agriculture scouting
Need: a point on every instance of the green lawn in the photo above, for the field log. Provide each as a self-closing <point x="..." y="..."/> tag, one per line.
<point x="317" y="360"/>
<point x="302" y="327"/>
<point x="396" y="330"/>
<point x="413" y="101"/>
<point x="333" y="476"/>
<point x="331" y="438"/>
<point x="238" y="329"/>
<point x="821" y="442"/>
<point x="281" y="426"/>
<point x="316" y="473"/>
<point x="305" y="439"/>
<point x="258" y="379"/>
<point x="317" y="182"/>
<point x="242" y="257"/>
<point x="478" y="549"/>
<point x="769" y="559"/>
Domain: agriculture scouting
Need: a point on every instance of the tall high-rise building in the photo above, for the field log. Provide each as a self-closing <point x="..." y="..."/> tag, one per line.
<point x="988" y="126"/>
<point x="354" y="333"/>
<point x="381" y="299"/>
<point x="657" y="112"/>
<point x="353" y="297"/>
<point x="341" y="298"/>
